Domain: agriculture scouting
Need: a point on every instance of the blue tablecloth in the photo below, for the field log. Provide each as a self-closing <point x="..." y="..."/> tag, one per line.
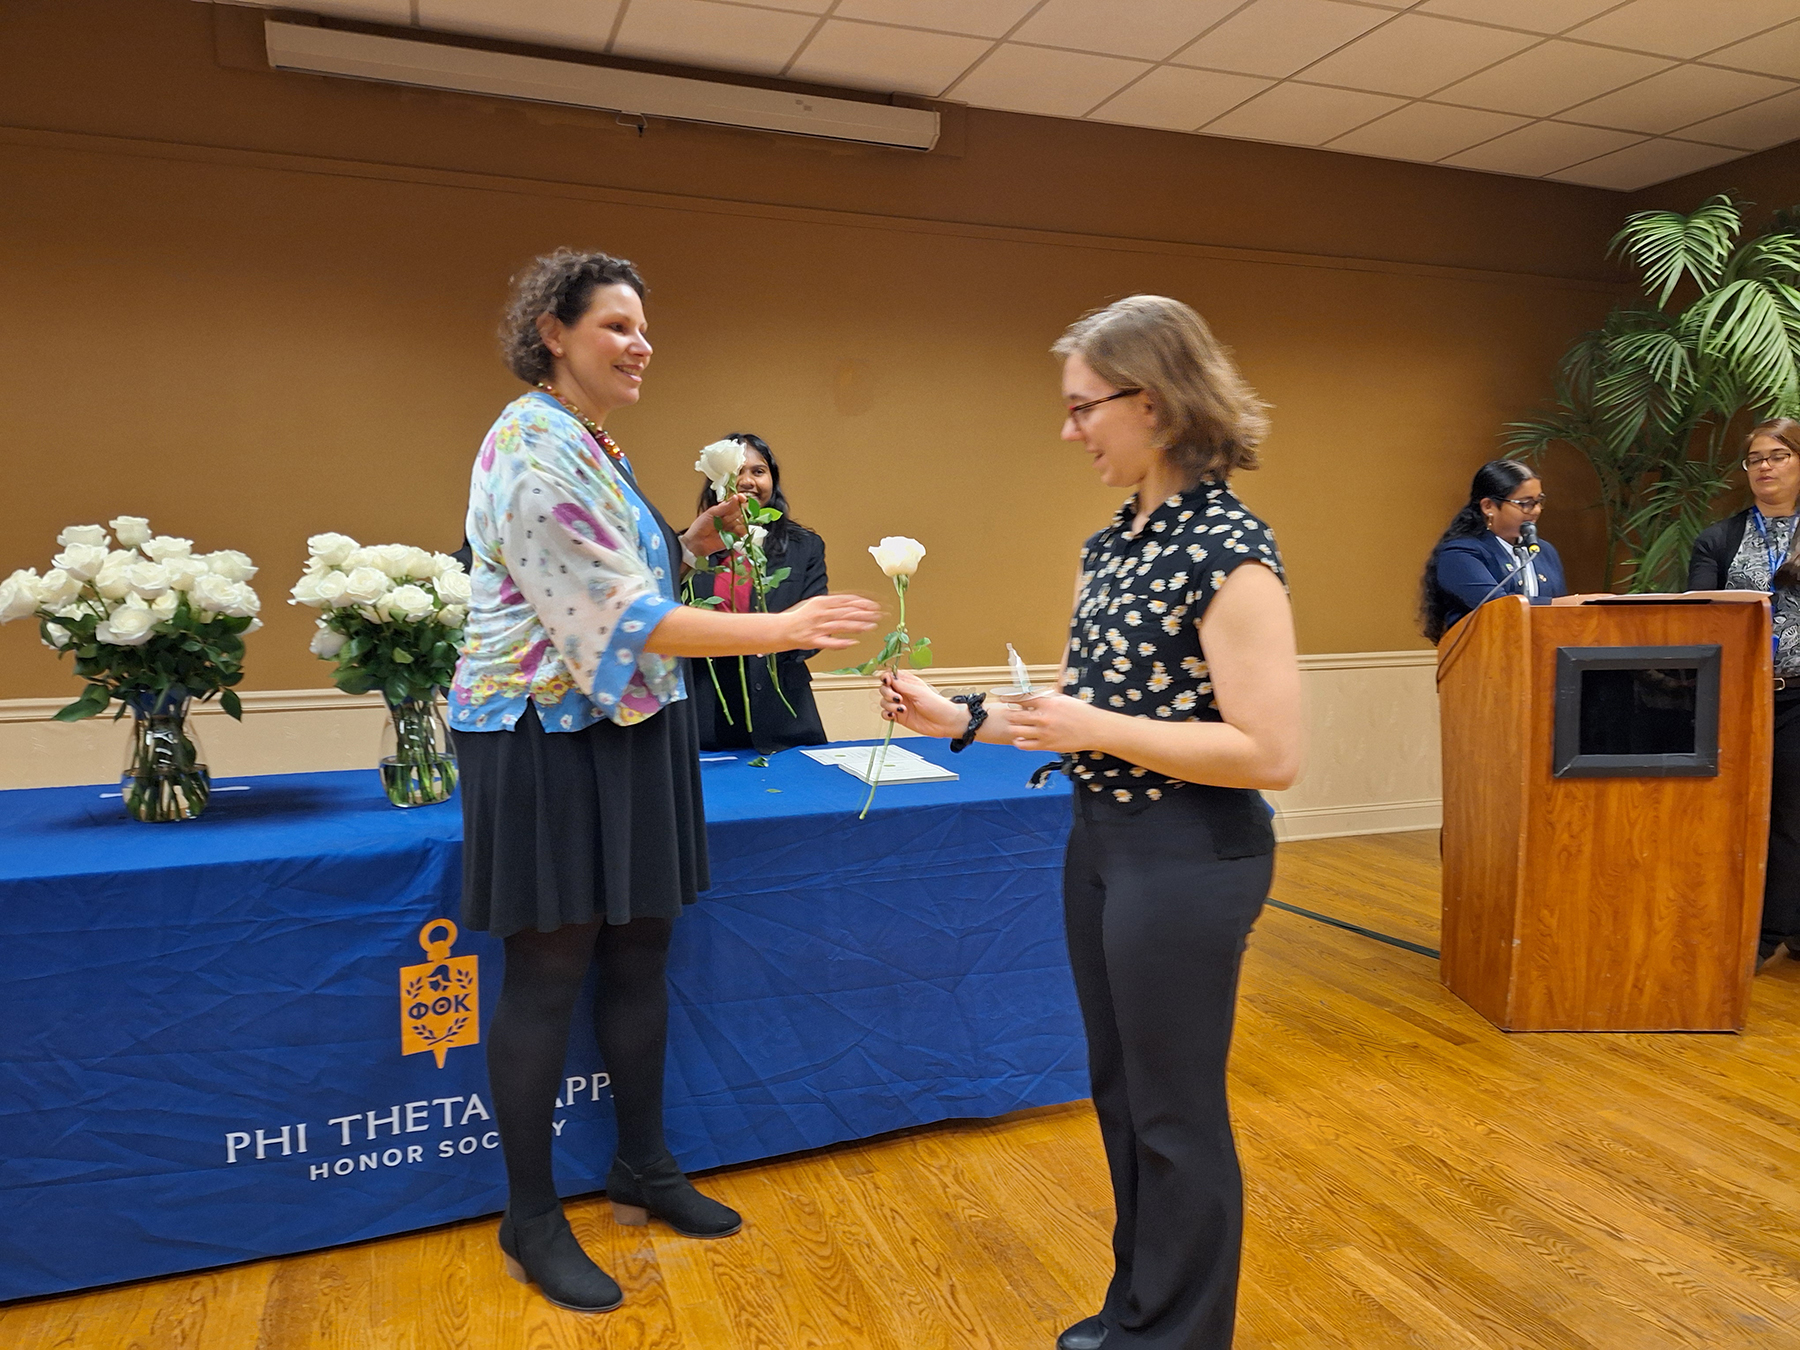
<point x="204" y="1020"/>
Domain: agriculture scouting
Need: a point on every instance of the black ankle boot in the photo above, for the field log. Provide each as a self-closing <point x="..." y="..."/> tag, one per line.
<point x="544" y="1251"/>
<point x="662" y="1190"/>
<point x="1087" y="1334"/>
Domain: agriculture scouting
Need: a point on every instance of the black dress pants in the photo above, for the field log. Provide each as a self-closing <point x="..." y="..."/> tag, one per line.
<point x="1159" y="899"/>
<point x="1781" y="886"/>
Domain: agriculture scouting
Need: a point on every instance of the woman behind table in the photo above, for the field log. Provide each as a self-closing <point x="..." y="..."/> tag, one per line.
<point x="583" y="829"/>
<point x="1480" y="557"/>
<point x="782" y="713"/>
<point x="1183" y="699"/>
<point x="1755" y="551"/>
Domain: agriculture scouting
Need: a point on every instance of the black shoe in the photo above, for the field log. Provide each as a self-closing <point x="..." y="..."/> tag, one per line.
<point x="662" y="1190"/>
<point x="1087" y="1334"/>
<point x="544" y="1251"/>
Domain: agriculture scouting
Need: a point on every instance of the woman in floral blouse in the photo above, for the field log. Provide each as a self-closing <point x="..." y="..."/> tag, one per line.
<point x="1181" y="699"/>
<point x="583" y="833"/>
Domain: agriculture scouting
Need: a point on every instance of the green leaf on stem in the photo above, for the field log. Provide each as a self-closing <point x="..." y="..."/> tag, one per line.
<point x="231" y="703"/>
<point x="93" y="700"/>
<point x="920" y="657"/>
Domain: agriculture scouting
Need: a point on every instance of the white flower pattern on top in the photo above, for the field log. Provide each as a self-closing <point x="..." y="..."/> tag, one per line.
<point x="1155" y="586"/>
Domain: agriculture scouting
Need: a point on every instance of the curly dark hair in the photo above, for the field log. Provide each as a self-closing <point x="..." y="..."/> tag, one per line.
<point x="560" y="283"/>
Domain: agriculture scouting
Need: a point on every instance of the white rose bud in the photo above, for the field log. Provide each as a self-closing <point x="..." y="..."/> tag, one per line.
<point x="56" y="637"/>
<point x="82" y="560"/>
<point x="330" y="589"/>
<point x="148" y="580"/>
<point x="758" y="533"/>
<point x="720" y="462"/>
<point x="365" y="586"/>
<point x="184" y="572"/>
<point x="132" y="530"/>
<point x="898" y="556"/>
<point x="214" y="595"/>
<point x="252" y="627"/>
<point x="331" y="549"/>
<point x="453" y="588"/>
<point x="91" y="535"/>
<point x="306" y="592"/>
<point x="130" y="625"/>
<point x="453" y="616"/>
<point x="326" y="643"/>
<point x="230" y="564"/>
<point x="57" y="588"/>
<point x="166" y="546"/>
<point x="411" y="603"/>
<point x="165" y="605"/>
<point x="19" y="595"/>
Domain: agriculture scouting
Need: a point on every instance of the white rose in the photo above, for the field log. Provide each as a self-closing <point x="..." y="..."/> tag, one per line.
<point x="81" y="559"/>
<point x="251" y="627"/>
<point x="365" y="586"/>
<point x="113" y="580"/>
<point x="442" y="564"/>
<point x="327" y="644"/>
<point x="57" y="588"/>
<point x="132" y="530"/>
<point x="19" y="595"/>
<point x="421" y="564"/>
<point x="184" y="572"/>
<point x="148" y="580"/>
<point x="306" y="592"/>
<point x="165" y="605"/>
<point x="56" y="637"/>
<point x="453" y="616"/>
<point x="130" y="625"/>
<point x="411" y="603"/>
<point x="166" y="546"/>
<point x="245" y="602"/>
<point x="331" y="549"/>
<point x="91" y="535"/>
<point x="330" y="589"/>
<point x="393" y="559"/>
<point x="214" y="595"/>
<point x="230" y="564"/>
<point x="898" y="556"/>
<point x="358" y="557"/>
<point x="453" y="588"/>
<point x="758" y="533"/>
<point x="720" y="462"/>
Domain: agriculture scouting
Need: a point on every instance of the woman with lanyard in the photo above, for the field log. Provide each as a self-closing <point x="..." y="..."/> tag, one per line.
<point x="582" y="823"/>
<point x="1755" y="551"/>
<point x="1181" y="699"/>
<point x="781" y="712"/>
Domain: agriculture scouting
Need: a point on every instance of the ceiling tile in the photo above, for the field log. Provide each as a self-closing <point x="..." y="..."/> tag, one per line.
<point x="1543" y="147"/>
<point x="1301" y="114"/>
<point x="1150" y="29"/>
<point x="1684" y="27"/>
<point x="369" y="11"/>
<point x="699" y="33"/>
<point x="1425" y="131"/>
<point x="1776" y="53"/>
<point x="1675" y="98"/>
<point x="870" y="56"/>
<point x="1540" y="16"/>
<point x="1549" y="78"/>
<point x="1774" y="121"/>
<point x="979" y="18"/>
<point x="582" y="24"/>
<point x="1415" y="55"/>
<point x="1278" y="37"/>
<point x="1648" y="162"/>
<point x="1178" y="99"/>
<point x="1036" y="80"/>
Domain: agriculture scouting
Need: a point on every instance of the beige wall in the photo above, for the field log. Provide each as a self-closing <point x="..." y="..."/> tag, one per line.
<point x="255" y="305"/>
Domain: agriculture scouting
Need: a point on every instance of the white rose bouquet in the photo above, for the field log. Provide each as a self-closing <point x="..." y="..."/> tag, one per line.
<point x="898" y="557"/>
<point x="392" y="619"/>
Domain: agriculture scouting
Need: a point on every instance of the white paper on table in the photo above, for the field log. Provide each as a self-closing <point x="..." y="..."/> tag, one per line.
<point x="900" y="766"/>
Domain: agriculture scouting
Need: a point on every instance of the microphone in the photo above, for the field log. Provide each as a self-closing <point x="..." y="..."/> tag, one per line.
<point x="1528" y="537"/>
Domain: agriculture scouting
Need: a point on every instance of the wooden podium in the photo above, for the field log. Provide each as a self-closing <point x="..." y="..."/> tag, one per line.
<point x="1606" y="808"/>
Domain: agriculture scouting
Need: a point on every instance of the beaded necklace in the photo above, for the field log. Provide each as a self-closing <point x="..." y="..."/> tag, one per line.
<point x="604" y="441"/>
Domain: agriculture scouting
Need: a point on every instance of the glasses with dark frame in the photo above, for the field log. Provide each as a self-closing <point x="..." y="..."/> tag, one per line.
<point x="1075" y="410"/>
<point x="1527" y="503"/>
<point x="1779" y="459"/>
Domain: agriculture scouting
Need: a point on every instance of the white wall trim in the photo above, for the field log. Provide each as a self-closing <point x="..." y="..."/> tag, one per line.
<point x="254" y="701"/>
<point x="1333" y="822"/>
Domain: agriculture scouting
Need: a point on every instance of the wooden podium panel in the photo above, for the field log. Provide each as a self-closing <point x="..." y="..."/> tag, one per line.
<point x="1611" y="903"/>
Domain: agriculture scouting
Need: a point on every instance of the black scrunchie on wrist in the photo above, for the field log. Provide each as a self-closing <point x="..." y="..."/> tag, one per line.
<point x="977" y="715"/>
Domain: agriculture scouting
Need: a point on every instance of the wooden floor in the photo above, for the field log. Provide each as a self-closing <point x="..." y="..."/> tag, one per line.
<point x="1415" y="1178"/>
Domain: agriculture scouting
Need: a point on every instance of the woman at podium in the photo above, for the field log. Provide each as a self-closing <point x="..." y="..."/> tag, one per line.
<point x="1488" y="550"/>
<point x="1754" y="551"/>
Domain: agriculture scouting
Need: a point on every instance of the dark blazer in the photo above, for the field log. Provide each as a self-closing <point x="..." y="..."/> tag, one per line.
<point x="1469" y="568"/>
<point x="1713" y="551"/>
<point x="773" y="727"/>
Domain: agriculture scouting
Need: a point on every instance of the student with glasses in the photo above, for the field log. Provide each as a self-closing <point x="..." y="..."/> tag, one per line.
<point x="1480" y="557"/>
<point x="1754" y="550"/>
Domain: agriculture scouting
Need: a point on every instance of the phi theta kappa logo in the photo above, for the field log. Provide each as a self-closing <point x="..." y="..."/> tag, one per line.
<point x="439" y="1002"/>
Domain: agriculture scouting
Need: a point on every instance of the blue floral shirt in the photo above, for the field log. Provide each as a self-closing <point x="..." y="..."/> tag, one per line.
<point x="571" y="575"/>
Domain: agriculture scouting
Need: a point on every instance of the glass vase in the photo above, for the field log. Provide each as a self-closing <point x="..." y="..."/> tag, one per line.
<point x="418" y="767"/>
<point x="165" y="775"/>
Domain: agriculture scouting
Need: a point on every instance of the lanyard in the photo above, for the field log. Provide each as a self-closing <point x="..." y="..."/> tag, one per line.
<point x="1775" y="561"/>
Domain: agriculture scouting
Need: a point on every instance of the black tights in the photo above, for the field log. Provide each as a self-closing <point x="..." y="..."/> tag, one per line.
<point x="530" y="1035"/>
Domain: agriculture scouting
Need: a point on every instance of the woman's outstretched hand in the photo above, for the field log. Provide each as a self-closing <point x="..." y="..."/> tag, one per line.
<point x="915" y="705"/>
<point x="702" y="537"/>
<point x="818" y="622"/>
<point x="1055" y="723"/>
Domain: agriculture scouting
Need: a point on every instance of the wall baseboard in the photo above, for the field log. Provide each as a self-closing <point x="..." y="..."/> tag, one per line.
<point x="1333" y="822"/>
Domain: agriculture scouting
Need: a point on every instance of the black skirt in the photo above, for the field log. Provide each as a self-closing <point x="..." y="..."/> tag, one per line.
<point x="571" y="826"/>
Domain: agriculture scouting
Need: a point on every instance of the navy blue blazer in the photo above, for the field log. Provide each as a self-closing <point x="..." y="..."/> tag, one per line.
<point x="1467" y="570"/>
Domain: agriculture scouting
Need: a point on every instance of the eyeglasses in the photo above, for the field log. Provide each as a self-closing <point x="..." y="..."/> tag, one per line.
<point x="1077" y="409"/>
<point x="1527" y="503"/>
<point x="1780" y="459"/>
